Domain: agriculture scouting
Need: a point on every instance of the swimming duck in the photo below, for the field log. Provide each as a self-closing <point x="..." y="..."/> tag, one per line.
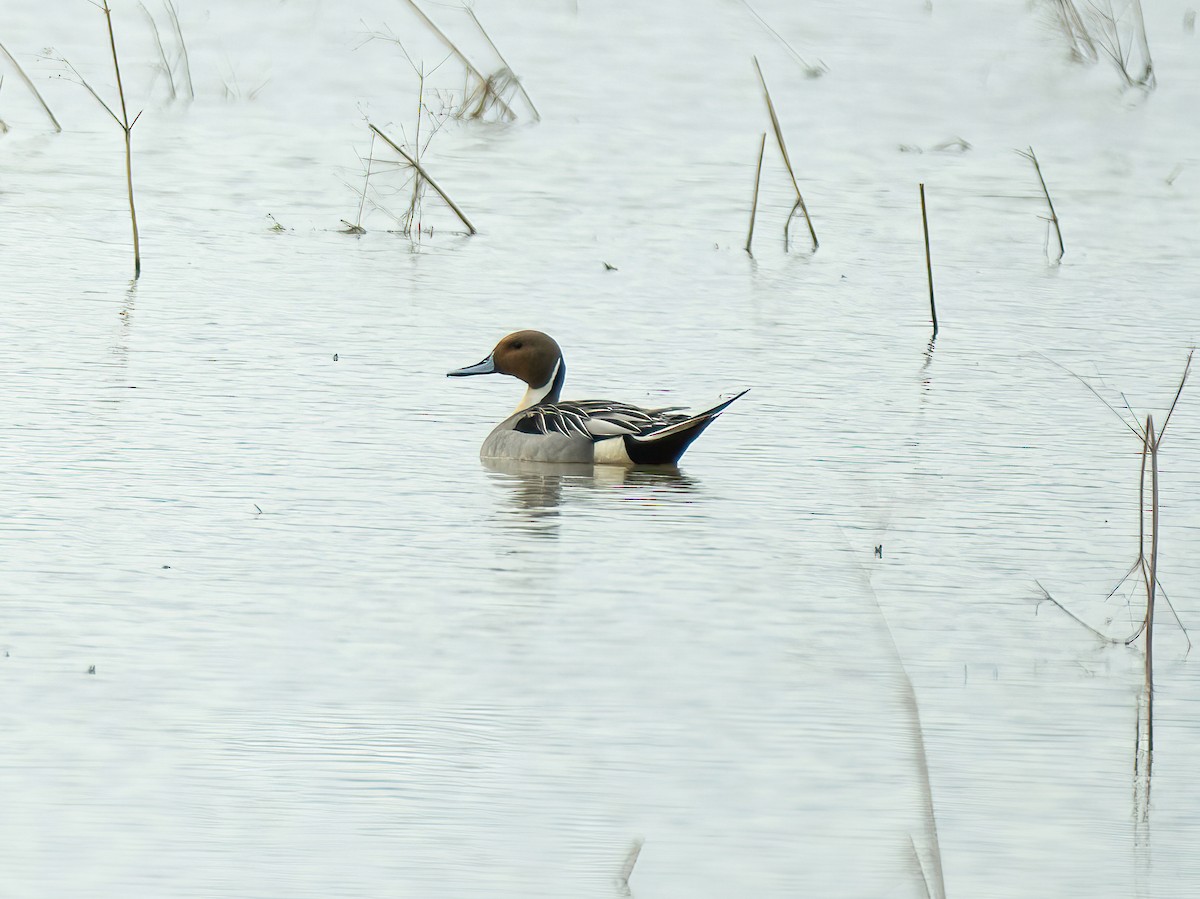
<point x="546" y="429"/>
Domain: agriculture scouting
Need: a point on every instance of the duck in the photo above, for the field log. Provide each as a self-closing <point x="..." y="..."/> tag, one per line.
<point x="545" y="428"/>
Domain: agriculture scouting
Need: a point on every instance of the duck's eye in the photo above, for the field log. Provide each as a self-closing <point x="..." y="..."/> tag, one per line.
<point x="517" y="345"/>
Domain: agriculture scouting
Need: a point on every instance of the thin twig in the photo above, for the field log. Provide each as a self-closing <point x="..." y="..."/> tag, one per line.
<point x="29" y="84"/>
<point x="1032" y="157"/>
<point x="424" y="174"/>
<point x="1136" y="429"/>
<point x="366" y="183"/>
<point x="810" y="71"/>
<point x="928" y="261"/>
<point x="1183" y="380"/>
<point x="786" y="161"/>
<point x="754" y="203"/>
<point x="1073" y="616"/>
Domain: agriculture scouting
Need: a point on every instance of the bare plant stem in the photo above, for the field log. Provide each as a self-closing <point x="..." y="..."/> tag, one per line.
<point x="187" y="65"/>
<point x="366" y="182"/>
<point x="424" y="174"/>
<point x="786" y="161"/>
<point x="1032" y="157"/>
<point x="483" y="79"/>
<point x="1152" y="442"/>
<point x="1147" y="79"/>
<point x="754" y="204"/>
<point x="127" y="126"/>
<point x="1147" y="565"/>
<point x="537" y="116"/>
<point x="416" y="193"/>
<point x="29" y="84"/>
<point x="162" y="53"/>
<point x="928" y="262"/>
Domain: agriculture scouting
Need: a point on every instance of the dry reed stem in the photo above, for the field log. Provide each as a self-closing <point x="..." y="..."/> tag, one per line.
<point x="424" y="174"/>
<point x="537" y="116"/>
<point x="786" y="161"/>
<point x="366" y="185"/>
<point x="1147" y="565"/>
<point x="1032" y="157"/>
<point x="754" y="203"/>
<point x="32" y="89"/>
<point x="1147" y="80"/>
<point x="809" y="70"/>
<point x="441" y="35"/>
<point x="1151" y="442"/>
<point x="127" y="127"/>
<point x="162" y="53"/>
<point x="928" y="262"/>
<point x="187" y="65"/>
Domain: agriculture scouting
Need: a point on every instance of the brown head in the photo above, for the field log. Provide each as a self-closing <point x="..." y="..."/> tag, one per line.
<point x="531" y="356"/>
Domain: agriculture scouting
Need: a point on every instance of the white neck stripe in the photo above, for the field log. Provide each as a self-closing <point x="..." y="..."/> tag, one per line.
<point x="535" y="395"/>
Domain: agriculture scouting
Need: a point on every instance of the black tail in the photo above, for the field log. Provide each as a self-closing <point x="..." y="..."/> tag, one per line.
<point x="665" y="446"/>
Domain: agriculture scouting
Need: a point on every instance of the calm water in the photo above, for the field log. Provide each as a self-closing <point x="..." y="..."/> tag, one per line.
<point x="336" y="655"/>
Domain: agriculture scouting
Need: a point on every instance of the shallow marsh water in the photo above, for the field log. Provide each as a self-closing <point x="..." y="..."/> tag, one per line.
<point x="337" y="655"/>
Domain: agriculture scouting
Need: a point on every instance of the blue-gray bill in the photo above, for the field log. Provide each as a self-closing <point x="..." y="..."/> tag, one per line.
<point x="486" y="367"/>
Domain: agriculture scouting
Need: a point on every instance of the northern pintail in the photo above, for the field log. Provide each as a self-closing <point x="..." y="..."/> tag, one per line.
<point x="545" y="429"/>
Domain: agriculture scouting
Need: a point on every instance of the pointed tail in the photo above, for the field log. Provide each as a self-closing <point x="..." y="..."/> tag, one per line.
<point x="665" y="446"/>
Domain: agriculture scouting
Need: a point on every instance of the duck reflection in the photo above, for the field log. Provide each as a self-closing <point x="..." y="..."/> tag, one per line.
<point x="537" y="490"/>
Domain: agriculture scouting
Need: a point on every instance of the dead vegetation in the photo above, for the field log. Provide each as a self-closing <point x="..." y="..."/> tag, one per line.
<point x="487" y="95"/>
<point x="175" y="65"/>
<point x="1053" y="217"/>
<point x="799" y="204"/>
<point x="29" y="84"/>
<point x="1104" y="30"/>
<point x="123" y="122"/>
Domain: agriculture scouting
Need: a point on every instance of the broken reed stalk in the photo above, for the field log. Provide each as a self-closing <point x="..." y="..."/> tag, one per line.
<point x="1148" y="567"/>
<point x="127" y="127"/>
<point x="424" y="174"/>
<point x="786" y="161"/>
<point x="537" y="116"/>
<point x="928" y="261"/>
<point x="1032" y="157"/>
<point x="1152" y="442"/>
<point x="187" y="66"/>
<point x="162" y="53"/>
<point x="1147" y="80"/>
<point x="754" y="204"/>
<point x="470" y="67"/>
<point x="29" y="84"/>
